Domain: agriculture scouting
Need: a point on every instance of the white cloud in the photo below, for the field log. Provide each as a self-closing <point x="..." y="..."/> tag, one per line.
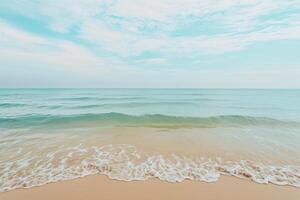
<point x="241" y="18"/>
<point x="124" y="26"/>
<point x="124" y="29"/>
<point x="27" y="49"/>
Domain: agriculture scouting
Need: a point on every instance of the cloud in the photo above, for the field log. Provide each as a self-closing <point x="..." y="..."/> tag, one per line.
<point x="28" y="57"/>
<point x="133" y="27"/>
<point x="139" y="17"/>
<point x="114" y="37"/>
<point x="29" y="49"/>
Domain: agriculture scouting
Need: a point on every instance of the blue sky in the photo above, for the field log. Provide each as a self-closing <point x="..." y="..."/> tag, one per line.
<point x="143" y="43"/>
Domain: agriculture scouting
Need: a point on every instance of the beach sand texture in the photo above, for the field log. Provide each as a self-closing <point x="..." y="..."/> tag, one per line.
<point x="100" y="187"/>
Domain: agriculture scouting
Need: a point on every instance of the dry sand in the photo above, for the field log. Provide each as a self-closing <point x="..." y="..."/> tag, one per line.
<point x="100" y="187"/>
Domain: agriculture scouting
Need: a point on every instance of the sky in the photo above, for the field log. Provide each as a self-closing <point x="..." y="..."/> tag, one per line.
<point x="150" y="43"/>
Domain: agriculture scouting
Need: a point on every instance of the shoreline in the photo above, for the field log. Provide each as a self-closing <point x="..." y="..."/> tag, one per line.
<point x="101" y="187"/>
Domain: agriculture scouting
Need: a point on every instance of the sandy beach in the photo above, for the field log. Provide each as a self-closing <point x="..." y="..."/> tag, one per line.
<point x="79" y="144"/>
<point x="100" y="187"/>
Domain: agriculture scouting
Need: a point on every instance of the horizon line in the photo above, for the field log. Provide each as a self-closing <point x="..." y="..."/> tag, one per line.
<point x="212" y="88"/>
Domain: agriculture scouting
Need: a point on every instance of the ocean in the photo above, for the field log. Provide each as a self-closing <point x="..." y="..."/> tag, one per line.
<point x="50" y="135"/>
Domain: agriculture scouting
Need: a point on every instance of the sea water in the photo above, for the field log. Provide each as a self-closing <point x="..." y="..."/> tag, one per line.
<point x="49" y="135"/>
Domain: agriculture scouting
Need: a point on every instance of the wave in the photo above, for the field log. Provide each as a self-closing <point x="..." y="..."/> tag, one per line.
<point x="134" y="104"/>
<point x="76" y="98"/>
<point x="152" y="120"/>
<point x="98" y="98"/>
<point x="9" y="105"/>
<point x="127" y="163"/>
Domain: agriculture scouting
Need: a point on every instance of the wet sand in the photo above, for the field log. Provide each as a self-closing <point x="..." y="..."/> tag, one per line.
<point x="100" y="187"/>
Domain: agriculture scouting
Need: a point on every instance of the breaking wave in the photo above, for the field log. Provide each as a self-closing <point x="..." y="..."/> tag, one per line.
<point x="127" y="163"/>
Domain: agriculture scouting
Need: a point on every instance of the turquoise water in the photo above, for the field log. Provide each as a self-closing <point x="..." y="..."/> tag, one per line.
<point x="36" y="105"/>
<point x="49" y="135"/>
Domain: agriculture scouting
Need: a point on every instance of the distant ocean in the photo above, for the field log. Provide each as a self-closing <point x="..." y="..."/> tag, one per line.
<point x="49" y="135"/>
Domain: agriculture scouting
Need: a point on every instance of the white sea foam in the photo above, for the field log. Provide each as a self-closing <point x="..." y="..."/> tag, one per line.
<point x="127" y="163"/>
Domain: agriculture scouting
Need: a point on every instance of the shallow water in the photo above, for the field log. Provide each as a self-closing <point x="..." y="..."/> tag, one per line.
<point x="48" y="135"/>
